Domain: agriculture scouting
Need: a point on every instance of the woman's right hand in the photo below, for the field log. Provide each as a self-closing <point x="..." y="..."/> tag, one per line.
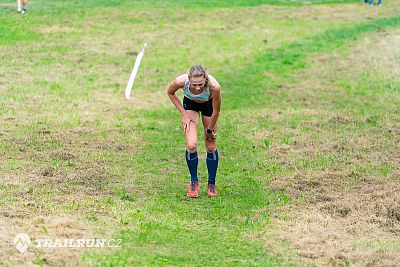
<point x="185" y="122"/>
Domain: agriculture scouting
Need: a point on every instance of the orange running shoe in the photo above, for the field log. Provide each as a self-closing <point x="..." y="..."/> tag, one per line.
<point x="193" y="191"/>
<point x="212" y="190"/>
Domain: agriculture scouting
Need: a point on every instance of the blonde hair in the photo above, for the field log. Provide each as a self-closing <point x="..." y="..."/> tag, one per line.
<point x="199" y="71"/>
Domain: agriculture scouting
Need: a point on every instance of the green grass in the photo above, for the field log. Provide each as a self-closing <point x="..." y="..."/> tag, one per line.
<point x="64" y="6"/>
<point x="64" y="120"/>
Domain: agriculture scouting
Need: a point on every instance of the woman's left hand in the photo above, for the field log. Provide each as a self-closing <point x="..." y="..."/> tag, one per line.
<point x="211" y="135"/>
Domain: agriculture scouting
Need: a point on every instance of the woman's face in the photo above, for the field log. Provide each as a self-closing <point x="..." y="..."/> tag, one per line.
<point x="197" y="83"/>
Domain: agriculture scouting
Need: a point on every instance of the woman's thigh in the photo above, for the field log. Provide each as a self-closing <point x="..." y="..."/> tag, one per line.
<point x="191" y="134"/>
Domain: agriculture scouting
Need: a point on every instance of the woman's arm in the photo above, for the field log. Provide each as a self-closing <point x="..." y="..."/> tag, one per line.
<point x="216" y="102"/>
<point x="175" y="85"/>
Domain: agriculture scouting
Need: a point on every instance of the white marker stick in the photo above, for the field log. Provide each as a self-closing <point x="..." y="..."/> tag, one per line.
<point x="134" y="72"/>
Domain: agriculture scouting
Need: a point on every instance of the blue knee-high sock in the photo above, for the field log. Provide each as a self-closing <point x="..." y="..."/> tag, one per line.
<point x="212" y="165"/>
<point x="192" y="161"/>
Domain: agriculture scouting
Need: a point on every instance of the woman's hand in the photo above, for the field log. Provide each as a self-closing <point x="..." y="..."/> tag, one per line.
<point x="211" y="134"/>
<point x="185" y="122"/>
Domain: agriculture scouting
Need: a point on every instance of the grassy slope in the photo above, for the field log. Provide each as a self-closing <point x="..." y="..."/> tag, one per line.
<point x="70" y="100"/>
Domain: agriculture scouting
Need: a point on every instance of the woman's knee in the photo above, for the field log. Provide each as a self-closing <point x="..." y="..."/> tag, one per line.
<point x="192" y="146"/>
<point x="210" y="147"/>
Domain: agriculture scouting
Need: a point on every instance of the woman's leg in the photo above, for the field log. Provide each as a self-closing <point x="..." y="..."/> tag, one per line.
<point x="191" y="134"/>
<point x="212" y="154"/>
<point x="19" y="6"/>
<point x="191" y="144"/>
<point x="191" y="153"/>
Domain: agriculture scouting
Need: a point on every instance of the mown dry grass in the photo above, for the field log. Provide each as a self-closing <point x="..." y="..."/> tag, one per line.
<point x="60" y="180"/>
<point x="68" y="133"/>
<point x="57" y="225"/>
<point x="346" y="209"/>
<point x="337" y="224"/>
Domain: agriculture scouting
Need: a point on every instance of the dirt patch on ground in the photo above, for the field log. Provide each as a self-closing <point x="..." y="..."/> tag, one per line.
<point x="56" y="29"/>
<point x="62" y="226"/>
<point x="59" y="189"/>
<point x="53" y="203"/>
<point x="6" y="5"/>
<point x="335" y="223"/>
<point x="340" y="13"/>
<point x="52" y="226"/>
